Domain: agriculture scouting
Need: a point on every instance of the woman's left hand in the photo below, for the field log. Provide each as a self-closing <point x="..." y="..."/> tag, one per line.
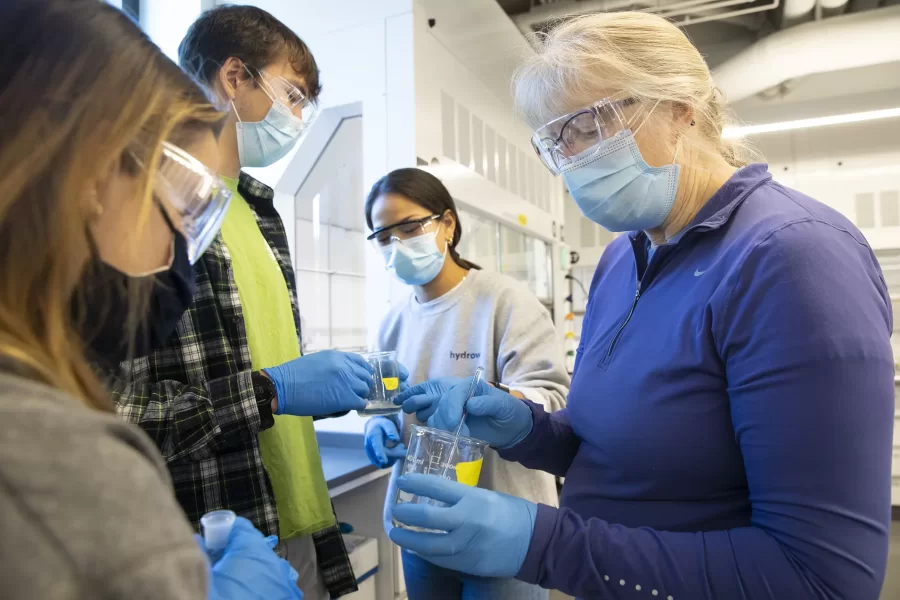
<point x="488" y="533"/>
<point x="423" y="398"/>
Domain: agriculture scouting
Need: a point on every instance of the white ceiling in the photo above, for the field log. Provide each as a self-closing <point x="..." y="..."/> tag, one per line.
<point x="835" y="92"/>
<point x="483" y="37"/>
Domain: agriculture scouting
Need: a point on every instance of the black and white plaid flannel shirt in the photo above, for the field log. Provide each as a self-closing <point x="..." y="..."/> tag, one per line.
<point x="195" y="398"/>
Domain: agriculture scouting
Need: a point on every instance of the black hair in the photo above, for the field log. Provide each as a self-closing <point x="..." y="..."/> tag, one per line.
<point x="249" y="34"/>
<point x="427" y="191"/>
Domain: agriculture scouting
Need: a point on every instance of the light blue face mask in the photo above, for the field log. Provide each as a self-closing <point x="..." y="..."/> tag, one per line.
<point x="416" y="261"/>
<point x="261" y="143"/>
<point x="615" y="188"/>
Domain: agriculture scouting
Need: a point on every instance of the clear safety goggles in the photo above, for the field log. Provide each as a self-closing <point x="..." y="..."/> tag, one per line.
<point x="196" y="193"/>
<point x="401" y="232"/>
<point x="280" y="90"/>
<point x="564" y="141"/>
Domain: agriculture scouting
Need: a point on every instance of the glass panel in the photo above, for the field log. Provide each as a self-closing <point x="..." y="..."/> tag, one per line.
<point x="479" y="240"/>
<point x="348" y="248"/>
<point x="312" y="246"/>
<point x="315" y="310"/>
<point x="516" y="257"/>
<point x="331" y="239"/>
<point x="542" y="269"/>
<point x="348" y="303"/>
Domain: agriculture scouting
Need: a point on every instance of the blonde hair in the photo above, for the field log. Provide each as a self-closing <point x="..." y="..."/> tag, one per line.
<point x="639" y="54"/>
<point x="82" y="91"/>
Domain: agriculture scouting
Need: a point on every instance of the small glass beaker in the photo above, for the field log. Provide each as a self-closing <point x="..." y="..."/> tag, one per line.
<point x="429" y="452"/>
<point x="387" y="383"/>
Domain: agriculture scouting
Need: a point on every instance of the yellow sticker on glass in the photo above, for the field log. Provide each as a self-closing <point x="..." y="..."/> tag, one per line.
<point x="468" y="472"/>
<point x="391" y="383"/>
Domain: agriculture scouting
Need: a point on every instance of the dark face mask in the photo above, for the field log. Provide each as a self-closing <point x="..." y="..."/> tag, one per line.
<point x="104" y="307"/>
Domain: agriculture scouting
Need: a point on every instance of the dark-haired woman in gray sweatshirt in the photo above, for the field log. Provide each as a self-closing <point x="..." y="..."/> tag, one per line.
<point x="457" y="318"/>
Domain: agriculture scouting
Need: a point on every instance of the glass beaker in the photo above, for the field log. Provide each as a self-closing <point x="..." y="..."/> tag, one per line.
<point x="429" y="451"/>
<point x="387" y="383"/>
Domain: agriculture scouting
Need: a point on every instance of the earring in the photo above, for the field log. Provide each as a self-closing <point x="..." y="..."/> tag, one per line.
<point x="94" y="205"/>
<point x="692" y="123"/>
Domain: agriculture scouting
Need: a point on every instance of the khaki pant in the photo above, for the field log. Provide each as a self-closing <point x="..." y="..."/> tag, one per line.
<point x="301" y="553"/>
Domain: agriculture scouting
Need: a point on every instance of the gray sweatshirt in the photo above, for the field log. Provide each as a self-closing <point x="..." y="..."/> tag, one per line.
<point x="86" y="507"/>
<point x="492" y="321"/>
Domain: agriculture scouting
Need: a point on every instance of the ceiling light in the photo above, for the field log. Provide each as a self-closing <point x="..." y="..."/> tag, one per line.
<point x="734" y="132"/>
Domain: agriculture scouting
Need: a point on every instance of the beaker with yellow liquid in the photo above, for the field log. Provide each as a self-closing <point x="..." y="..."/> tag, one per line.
<point x="387" y="383"/>
<point x="431" y="452"/>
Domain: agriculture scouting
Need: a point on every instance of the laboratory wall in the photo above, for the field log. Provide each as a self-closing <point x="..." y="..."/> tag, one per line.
<point x="469" y="135"/>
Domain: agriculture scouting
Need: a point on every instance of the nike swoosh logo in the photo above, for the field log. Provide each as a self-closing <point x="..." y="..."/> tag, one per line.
<point x="698" y="273"/>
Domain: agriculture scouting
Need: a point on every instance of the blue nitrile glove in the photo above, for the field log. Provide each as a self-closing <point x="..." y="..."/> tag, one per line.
<point x="488" y="533"/>
<point x="494" y="416"/>
<point x="322" y="384"/>
<point x="379" y="431"/>
<point x="403" y="375"/>
<point x="249" y="568"/>
<point x="422" y="398"/>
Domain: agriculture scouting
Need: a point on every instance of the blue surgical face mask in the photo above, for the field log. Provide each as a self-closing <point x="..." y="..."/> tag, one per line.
<point x="263" y="142"/>
<point x="416" y="261"/>
<point x="615" y="188"/>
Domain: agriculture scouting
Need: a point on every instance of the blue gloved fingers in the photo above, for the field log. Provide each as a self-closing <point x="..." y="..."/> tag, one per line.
<point x="432" y="486"/>
<point x="450" y="407"/>
<point x="429" y="545"/>
<point x="361" y="381"/>
<point x="489" y="406"/>
<point x="434" y="424"/>
<point x="389" y="428"/>
<point x="419" y="388"/>
<point x="425" y="414"/>
<point x="414" y="404"/>
<point x="358" y="360"/>
<point x="375" y="449"/>
<point x="201" y="542"/>
<point x="404" y="372"/>
<point x="428" y="516"/>
<point x="272" y="541"/>
<point x="398" y="451"/>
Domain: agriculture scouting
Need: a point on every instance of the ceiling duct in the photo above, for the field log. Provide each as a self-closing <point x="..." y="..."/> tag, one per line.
<point x="844" y="42"/>
<point x="681" y="12"/>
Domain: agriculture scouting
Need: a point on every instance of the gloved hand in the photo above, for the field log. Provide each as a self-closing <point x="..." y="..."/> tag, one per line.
<point x="322" y="384"/>
<point x="494" y="416"/>
<point x="478" y="523"/>
<point x="379" y="431"/>
<point x="422" y="398"/>
<point x="249" y="568"/>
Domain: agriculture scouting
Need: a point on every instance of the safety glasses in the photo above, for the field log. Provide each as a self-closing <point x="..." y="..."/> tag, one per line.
<point x="279" y="89"/>
<point x="403" y="231"/>
<point x="196" y="193"/>
<point x="564" y="141"/>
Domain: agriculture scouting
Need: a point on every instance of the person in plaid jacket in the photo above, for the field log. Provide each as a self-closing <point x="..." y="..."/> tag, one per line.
<point x="228" y="400"/>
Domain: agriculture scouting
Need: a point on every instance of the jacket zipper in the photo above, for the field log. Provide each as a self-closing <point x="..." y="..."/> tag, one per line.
<point x="612" y="345"/>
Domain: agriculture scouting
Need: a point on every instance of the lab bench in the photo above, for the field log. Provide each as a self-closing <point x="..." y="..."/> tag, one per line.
<point x="357" y="489"/>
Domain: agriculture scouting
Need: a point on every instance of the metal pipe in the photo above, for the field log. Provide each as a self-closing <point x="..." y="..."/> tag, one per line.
<point x="569" y="8"/>
<point x="706" y="6"/>
<point x="736" y="13"/>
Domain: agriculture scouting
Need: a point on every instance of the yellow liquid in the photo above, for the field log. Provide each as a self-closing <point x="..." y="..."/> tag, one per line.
<point x="391" y="383"/>
<point x="468" y="472"/>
